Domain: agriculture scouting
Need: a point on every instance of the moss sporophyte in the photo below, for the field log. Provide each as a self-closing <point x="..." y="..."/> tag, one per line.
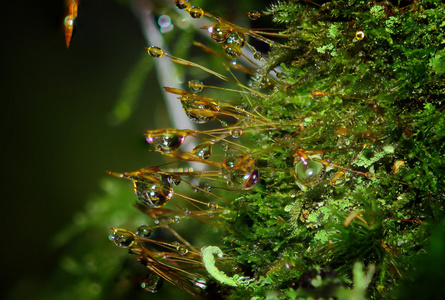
<point x="322" y="175"/>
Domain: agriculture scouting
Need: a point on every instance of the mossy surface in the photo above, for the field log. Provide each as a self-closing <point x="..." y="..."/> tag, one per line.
<point x="357" y="89"/>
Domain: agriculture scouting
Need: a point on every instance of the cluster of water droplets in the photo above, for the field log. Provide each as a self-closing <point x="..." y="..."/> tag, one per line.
<point x="240" y="172"/>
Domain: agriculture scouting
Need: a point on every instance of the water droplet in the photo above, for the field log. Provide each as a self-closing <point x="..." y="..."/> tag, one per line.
<point x="171" y="180"/>
<point x="182" y="4"/>
<point x="186" y="211"/>
<point x="195" y="86"/>
<point x="338" y="180"/>
<point x="199" y="110"/>
<point x="195" y="12"/>
<point x="204" y="151"/>
<point x="166" y="141"/>
<point x="359" y="35"/>
<point x="258" y="80"/>
<point x="257" y="55"/>
<point x="182" y="249"/>
<point x="317" y="94"/>
<point x="201" y="283"/>
<point x="254" y="15"/>
<point x="240" y="171"/>
<point x="225" y="147"/>
<point x="212" y="205"/>
<point x="293" y="193"/>
<point x="232" y="51"/>
<point x="308" y="172"/>
<point x="251" y="178"/>
<point x="155" y="52"/>
<point x="236" y="38"/>
<point x="177" y="219"/>
<point x="236" y="133"/>
<point x="152" y="283"/>
<point x="230" y="184"/>
<point x="123" y="238"/>
<point x="144" y="231"/>
<point x="220" y="32"/>
<point x="153" y="195"/>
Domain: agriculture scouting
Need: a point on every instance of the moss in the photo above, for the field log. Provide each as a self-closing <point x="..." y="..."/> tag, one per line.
<point x="359" y="92"/>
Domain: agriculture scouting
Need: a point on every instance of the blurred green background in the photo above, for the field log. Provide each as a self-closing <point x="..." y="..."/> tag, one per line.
<point x="56" y="131"/>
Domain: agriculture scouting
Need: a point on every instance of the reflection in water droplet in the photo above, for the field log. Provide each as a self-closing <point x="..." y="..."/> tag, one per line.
<point x="232" y="51"/>
<point x="257" y="55"/>
<point x="195" y="12"/>
<point x="166" y="141"/>
<point x="155" y="52"/>
<point x="201" y="283"/>
<point x="153" y="195"/>
<point x="123" y="238"/>
<point x="220" y="32"/>
<point x="204" y="151"/>
<point x="359" y="35"/>
<point x="198" y="110"/>
<point x="254" y="15"/>
<point x="308" y="172"/>
<point x="195" y="86"/>
<point x="182" y="249"/>
<point x="152" y="283"/>
<point x="182" y="4"/>
<point x="212" y="205"/>
<point x="251" y="178"/>
<point x="171" y="180"/>
<point x="144" y="231"/>
<point x="236" y="38"/>
<point x="236" y="133"/>
<point x="240" y="171"/>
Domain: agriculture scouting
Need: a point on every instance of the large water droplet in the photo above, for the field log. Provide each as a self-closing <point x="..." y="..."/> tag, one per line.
<point x="144" y="231"/>
<point x="123" y="238"/>
<point x="153" y="195"/>
<point x="220" y="32"/>
<point x="198" y="110"/>
<point x="166" y="141"/>
<point x="251" y="178"/>
<point x="308" y="172"/>
<point x="236" y="38"/>
<point x="152" y="283"/>
<point x="196" y="86"/>
<point x="155" y="52"/>
<point x="232" y="51"/>
<point x="195" y="12"/>
<point x="204" y="151"/>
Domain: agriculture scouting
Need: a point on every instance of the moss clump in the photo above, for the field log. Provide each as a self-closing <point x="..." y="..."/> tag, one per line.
<point x="341" y="159"/>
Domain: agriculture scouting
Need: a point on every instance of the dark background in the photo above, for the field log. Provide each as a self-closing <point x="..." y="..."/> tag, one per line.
<point x="57" y="138"/>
